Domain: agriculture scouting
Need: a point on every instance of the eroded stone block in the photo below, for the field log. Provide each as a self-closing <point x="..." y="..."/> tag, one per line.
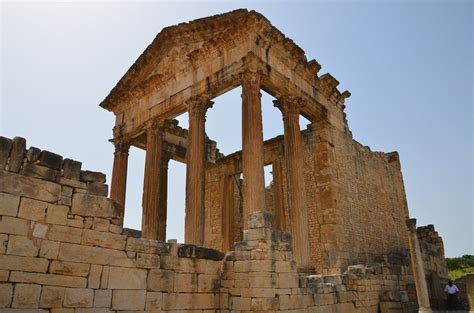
<point x="127" y="278"/>
<point x="92" y="205"/>
<point x="9" y="204"/>
<point x="26" y="296"/>
<point x="128" y="299"/>
<point x="50" y="159"/>
<point x="78" y="298"/>
<point x="17" y="153"/>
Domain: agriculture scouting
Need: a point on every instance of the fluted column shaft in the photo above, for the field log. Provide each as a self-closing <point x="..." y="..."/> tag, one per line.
<point x="151" y="185"/>
<point x="252" y="145"/>
<point x="418" y="268"/>
<point x="163" y="199"/>
<point x="119" y="173"/>
<point x="290" y="108"/>
<point x="196" y="161"/>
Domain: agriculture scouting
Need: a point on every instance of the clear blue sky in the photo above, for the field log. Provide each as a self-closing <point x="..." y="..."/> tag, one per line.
<point x="408" y="65"/>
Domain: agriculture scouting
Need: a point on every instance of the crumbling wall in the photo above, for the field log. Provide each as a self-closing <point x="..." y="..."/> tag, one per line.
<point x="355" y="197"/>
<point x="62" y="245"/>
<point x="368" y="197"/>
<point x="436" y="271"/>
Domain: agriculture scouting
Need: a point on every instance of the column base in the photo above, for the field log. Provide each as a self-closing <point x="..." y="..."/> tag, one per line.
<point x="425" y="310"/>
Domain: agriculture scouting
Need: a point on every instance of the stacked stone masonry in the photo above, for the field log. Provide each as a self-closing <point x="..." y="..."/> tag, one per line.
<point x="327" y="235"/>
<point x="64" y="250"/>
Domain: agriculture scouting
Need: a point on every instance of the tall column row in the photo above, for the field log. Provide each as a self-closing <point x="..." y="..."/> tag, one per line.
<point x="156" y="168"/>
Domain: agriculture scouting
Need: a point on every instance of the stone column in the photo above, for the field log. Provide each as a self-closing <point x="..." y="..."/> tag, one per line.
<point x="252" y="145"/>
<point x="280" y="217"/>
<point x="119" y="172"/>
<point x="151" y="185"/>
<point x="418" y="268"/>
<point x="290" y="108"/>
<point x="196" y="161"/>
<point x="163" y="198"/>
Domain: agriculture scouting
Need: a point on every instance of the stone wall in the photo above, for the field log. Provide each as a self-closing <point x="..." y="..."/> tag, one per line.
<point x="355" y="197"/>
<point x="436" y="271"/>
<point x="64" y="251"/>
<point x="63" y="246"/>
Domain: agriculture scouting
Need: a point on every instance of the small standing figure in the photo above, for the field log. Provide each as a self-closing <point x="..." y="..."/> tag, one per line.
<point x="451" y="291"/>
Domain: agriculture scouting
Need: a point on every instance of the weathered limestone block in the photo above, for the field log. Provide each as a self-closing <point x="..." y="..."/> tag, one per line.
<point x="57" y="214"/>
<point x="98" y="188"/>
<point x="261" y="220"/>
<point x="51" y="160"/>
<point x="5" y="147"/>
<point x="97" y="255"/>
<point x="90" y="176"/>
<point x="69" y="268"/>
<point x="102" y="298"/>
<point x="48" y="279"/>
<point x="257" y="234"/>
<point x="325" y="298"/>
<point x="72" y="183"/>
<point x="26" y="296"/>
<point x="196" y="301"/>
<point x="101" y="224"/>
<point x="93" y="280"/>
<point x="128" y="299"/>
<point x="29" y="187"/>
<point x="78" y="298"/>
<point x="185" y="282"/>
<point x="148" y="260"/>
<point x="65" y="234"/>
<point x="52" y="297"/>
<point x="39" y="171"/>
<point x="49" y="249"/>
<point x="264" y="304"/>
<point x="9" y="204"/>
<point x="127" y="278"/>
<point x="17" y="153"/>
<point x="92" y="205"/>
<point x="3" y="243"/>
<point x="240" y="304"/>
<point x="258" y="292"/>
<point x="4" y="274"/>
<point x="13" y="226"/>
<point x="161" y="280"/>
<point x="40" y="230"/>
<point x="192" y="251"/>
<point x="146" y="245"/>
<point x="153" y="300"/>
<point x="103" y="239"/>
<point x="208" y="283"/>
<point x="104" y="278"/>
<point x="32" y="209"/>
<point x="23" y="246"/>
<point x="28" y="264"/>
<point x="6" y="292"/>
<point x="72" y="169"/>
<point x="33" y="154"/>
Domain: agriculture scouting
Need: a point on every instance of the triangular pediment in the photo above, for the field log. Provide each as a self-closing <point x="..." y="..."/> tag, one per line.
<point x="186" y="46"/>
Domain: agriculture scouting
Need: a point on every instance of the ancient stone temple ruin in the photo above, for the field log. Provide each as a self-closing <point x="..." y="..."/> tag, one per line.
<point x="328" y="235"/>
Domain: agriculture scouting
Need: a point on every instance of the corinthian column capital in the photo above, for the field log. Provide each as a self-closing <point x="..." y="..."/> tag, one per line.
<point x="121" y="144"/>
<point x="289" y="105"/>
<point x="250" y="81"/>
<point x="198" y="105"/>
